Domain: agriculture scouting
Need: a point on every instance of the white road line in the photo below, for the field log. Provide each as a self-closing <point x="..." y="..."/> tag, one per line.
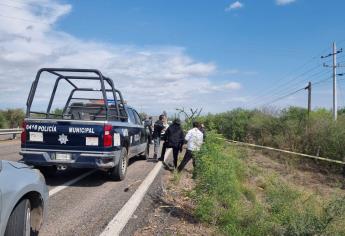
<point x="69" y="183"/>
<point x="117" y="224"/>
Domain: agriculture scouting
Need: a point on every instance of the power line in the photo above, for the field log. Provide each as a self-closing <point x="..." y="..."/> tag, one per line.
<point x="302" y="79"/>
<point x="23" y="8"/>
<point x="295" y="81"/>
<point x="280" y="90"/>
<point x="296" y="91"/>
<point x="293" y="87"/>
<point x="30" y="4"/>
<point x="322" y="81"/>
<point x="284" y="96"/>
<point x="286" y="76"/>
<point x="291" y="73"/>
<point x="26" y="20"/>
<point x="3" y="4"/>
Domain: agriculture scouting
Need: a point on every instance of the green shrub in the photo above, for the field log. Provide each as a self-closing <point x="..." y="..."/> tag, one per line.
<point x="291" y="129"/>
<point x="225" y="199"/>
<point x="13" y="117"/>
<point x="3" y="123"/>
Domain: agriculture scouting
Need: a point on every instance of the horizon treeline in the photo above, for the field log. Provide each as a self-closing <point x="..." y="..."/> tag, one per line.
<point x="290" y="128"/>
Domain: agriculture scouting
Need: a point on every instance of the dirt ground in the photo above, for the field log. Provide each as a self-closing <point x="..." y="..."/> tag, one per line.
<point x="173" y="214"/>
<point x="303" y="173"/>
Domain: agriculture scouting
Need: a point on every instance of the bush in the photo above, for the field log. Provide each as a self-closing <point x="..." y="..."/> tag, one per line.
<point x="2" y="121"/>
<point x="13" y="117"/>
<point x="290" y="129"/>
<point x="225" y="198"/>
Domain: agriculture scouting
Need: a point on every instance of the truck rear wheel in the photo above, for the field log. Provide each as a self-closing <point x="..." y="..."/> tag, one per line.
<point x="119" y="171"/>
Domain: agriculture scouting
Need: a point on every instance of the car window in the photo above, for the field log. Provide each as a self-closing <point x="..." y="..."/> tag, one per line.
<point x="137" y="117"/>
<point x="131" y="116"/>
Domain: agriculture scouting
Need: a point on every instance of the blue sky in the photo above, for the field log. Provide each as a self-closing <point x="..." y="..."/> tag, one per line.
<point x="250" y="48"/>
<point x="261" y="36"/>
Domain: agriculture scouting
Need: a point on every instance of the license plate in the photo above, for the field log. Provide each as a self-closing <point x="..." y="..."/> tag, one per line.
<point x="36" y="137"/>
<point x="91" y="141"/>
<point x="63" y="156"/>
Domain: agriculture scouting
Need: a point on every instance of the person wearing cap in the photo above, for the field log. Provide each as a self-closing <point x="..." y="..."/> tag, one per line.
<point x="194" y="139"/>
<point x="173" y="138"/>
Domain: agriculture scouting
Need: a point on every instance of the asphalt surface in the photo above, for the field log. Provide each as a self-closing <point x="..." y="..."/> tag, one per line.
<point x="86" y="207"/>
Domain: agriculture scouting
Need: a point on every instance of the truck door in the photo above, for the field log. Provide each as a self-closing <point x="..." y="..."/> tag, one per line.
<point x="143" y="133"/>
<point x="134" y="134"/>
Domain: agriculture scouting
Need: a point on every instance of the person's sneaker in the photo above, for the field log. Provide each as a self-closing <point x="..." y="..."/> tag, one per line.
<point x="160" y="159"/>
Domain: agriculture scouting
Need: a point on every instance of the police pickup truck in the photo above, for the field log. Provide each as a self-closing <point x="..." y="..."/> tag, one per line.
<point x="93" y="128"/>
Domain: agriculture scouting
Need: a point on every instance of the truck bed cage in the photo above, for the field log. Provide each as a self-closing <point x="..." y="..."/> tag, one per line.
<point x="60" y="73"/>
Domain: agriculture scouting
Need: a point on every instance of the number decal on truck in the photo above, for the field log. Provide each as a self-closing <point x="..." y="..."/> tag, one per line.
<point x="41" y="128"/>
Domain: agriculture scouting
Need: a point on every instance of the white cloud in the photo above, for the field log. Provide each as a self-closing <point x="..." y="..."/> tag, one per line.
<point x="153" y="78"/>
<point x="284" y="2"/>
<point x="232" y="85"/>
<point x="234" y="6"/>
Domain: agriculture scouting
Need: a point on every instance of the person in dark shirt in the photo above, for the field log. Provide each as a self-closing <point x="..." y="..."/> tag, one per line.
<point x="157" y="130"/>
<point x="148" y="125"/>
<point x="173" y="138"/>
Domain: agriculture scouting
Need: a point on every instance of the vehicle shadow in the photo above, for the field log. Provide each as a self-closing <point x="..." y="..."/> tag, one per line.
<point x="99" y="177"/>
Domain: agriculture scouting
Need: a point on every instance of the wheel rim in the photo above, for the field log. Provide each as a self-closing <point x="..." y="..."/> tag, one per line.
<point x="124" y="165"/>
<point x="28" y="222"/>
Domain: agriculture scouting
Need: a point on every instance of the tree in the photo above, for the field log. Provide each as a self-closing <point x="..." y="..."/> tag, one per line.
<point x="2" y="120"/>
<point x="143" y="115"/>
<point x="190" y="117"/>
<point x="14" y="117"/>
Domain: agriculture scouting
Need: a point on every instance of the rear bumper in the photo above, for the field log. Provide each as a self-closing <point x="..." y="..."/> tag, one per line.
<point x="79" y="159"/>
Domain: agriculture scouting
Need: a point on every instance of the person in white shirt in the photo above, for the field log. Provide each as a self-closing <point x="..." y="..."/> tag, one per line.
<point x="194" y="139"/>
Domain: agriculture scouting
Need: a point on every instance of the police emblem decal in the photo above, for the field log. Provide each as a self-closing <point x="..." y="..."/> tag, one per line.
<point x="63" y="139"/>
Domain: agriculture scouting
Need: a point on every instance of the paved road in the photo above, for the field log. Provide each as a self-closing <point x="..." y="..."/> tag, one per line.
<point x="86" y="207"/>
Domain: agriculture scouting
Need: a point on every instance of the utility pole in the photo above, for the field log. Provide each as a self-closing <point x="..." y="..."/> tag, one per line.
<point x="335" y="105"/>
<point x="309" y="97"/>
<point x="334" y="67"/>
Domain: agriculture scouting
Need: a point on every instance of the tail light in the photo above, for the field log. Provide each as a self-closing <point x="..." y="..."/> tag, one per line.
<point x="23" y="134"/>
<point x="107" y="137"/>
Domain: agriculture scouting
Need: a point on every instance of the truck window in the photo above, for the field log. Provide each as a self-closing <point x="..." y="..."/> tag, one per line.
<point x="137" y="118"/>
<point x="131" y="116"/>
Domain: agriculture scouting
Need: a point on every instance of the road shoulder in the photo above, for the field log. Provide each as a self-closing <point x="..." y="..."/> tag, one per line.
<point x="167" y="209"/>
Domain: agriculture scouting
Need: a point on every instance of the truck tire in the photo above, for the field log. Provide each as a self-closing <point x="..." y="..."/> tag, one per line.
<point x="119" y="171"/>
<point x="19" y="222"/>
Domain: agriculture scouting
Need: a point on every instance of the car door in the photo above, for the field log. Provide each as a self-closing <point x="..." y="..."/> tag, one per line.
<point x="134" y="134"/>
